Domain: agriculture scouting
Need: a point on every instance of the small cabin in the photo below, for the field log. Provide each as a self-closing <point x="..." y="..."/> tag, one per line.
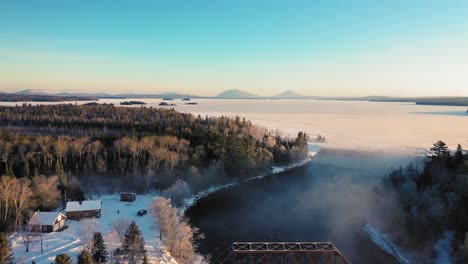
<point x="127" y="197"/>
<point x="85" y="209"/>
<point x="47" y="222"/>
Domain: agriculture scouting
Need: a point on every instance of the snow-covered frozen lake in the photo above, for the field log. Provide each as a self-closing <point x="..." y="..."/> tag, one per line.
<point x="346" y="124"/>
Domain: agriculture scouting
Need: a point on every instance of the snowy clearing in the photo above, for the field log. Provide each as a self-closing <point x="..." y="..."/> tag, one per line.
<point x="68" y="241"/>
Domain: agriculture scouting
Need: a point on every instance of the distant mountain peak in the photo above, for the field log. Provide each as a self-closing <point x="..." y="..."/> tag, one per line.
<point x="237" y="94"/>
<point x="32" y="91"/>
<point x="289" y="94"/>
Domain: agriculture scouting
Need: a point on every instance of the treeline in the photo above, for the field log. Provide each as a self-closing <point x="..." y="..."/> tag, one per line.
<point x="42" y="98"/>
<point x="432" y="200"/>
<point x="105" y="140"/>
<point x="25" y="156"/>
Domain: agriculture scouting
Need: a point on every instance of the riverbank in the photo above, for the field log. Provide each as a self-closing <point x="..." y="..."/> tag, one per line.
<point x="386" y="244"/>
<point x="314" y="148"/>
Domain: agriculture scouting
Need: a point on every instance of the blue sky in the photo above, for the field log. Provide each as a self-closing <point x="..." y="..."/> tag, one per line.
<point x="335" y="47"/>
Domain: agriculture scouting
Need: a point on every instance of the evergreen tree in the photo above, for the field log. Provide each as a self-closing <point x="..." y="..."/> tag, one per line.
<point x="63" y="259"/>
<point x="459" y="155"/>
<point x="440" y="150"/>
<point x="99" y="250"/>
<point x="85" y="258"/>
<point x="134" y="244"/>
<point x="5" y="250"/>
<point x="240" y="158"/>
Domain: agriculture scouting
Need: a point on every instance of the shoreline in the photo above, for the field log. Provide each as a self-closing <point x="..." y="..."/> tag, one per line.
<point x="189" y="202"/>
<point x="385" y="243"/>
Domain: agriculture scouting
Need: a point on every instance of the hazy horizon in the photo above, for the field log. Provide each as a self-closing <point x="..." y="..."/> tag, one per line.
<point x="216" y="93"/>
<point x="329" y="48"/>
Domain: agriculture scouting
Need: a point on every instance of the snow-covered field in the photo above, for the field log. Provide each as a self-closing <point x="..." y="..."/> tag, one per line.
<point x="68" y="241"/>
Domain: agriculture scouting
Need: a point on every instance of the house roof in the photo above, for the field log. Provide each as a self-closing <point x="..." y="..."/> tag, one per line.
<point x="87" y="205"/>
<point x="44" y="218"/>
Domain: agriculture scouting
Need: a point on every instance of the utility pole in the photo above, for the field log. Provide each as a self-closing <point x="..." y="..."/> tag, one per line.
<point x="42" y="249"/>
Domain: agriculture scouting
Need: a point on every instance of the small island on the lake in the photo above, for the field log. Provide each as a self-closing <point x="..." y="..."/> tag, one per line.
<point x="132" y="103"/>
<point x="186" y="99"/>
<point x="168" y="99"/>
<point x="191" y="103"/>
<point x="166" y="104"/>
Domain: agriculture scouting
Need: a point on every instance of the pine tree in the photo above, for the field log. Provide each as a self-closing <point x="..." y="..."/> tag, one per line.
<point x="63" y="259"/>
<point x="99" y="250"/>
<point x="440" y="150"/>
<point x="134" y="244"/>
<point x="85" y="258"/>
<point x="459" y="155"/>
<point x="5" y="250"/>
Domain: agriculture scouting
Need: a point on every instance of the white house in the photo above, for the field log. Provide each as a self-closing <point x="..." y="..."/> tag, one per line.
<point x="47" y="222"/>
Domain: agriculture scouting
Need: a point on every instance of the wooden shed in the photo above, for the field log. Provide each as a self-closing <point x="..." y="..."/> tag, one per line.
<point x="47" y="222"/>
<point x="86" y="209"/>
<point x="127" y="197"/>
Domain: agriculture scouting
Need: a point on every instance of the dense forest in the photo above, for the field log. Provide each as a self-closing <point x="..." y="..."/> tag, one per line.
<point x="109" y="140"/>
<point x="140" y="148"/>
<point x="432" y="200"/>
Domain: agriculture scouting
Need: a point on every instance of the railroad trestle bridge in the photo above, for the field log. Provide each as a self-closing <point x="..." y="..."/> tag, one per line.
<point x="282" y="253"/>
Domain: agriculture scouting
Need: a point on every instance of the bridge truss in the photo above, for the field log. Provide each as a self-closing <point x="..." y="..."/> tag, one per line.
<point x="286" y="253"/>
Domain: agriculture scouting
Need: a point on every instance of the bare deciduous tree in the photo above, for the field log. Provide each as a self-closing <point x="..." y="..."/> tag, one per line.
<point x="6" y="193"/>
<point x="27" y="235"/>
<point x="113" y="242"/>
<point x="86" y="232"/>
<point x="21" y="195"/>
<point x="175" y="232"/>
<point x="45" y="192"/>
<point x="120" y="226"/>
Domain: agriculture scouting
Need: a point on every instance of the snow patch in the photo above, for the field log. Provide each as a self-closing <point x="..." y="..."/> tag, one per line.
<point x="190" y="201"/>
<point x="385" y="243"/>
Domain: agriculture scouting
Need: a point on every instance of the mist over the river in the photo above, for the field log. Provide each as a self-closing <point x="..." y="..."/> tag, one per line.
<point x="331" y="199"/>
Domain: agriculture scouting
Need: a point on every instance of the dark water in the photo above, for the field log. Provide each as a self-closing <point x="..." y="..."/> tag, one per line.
<point x="327" y="200"/>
